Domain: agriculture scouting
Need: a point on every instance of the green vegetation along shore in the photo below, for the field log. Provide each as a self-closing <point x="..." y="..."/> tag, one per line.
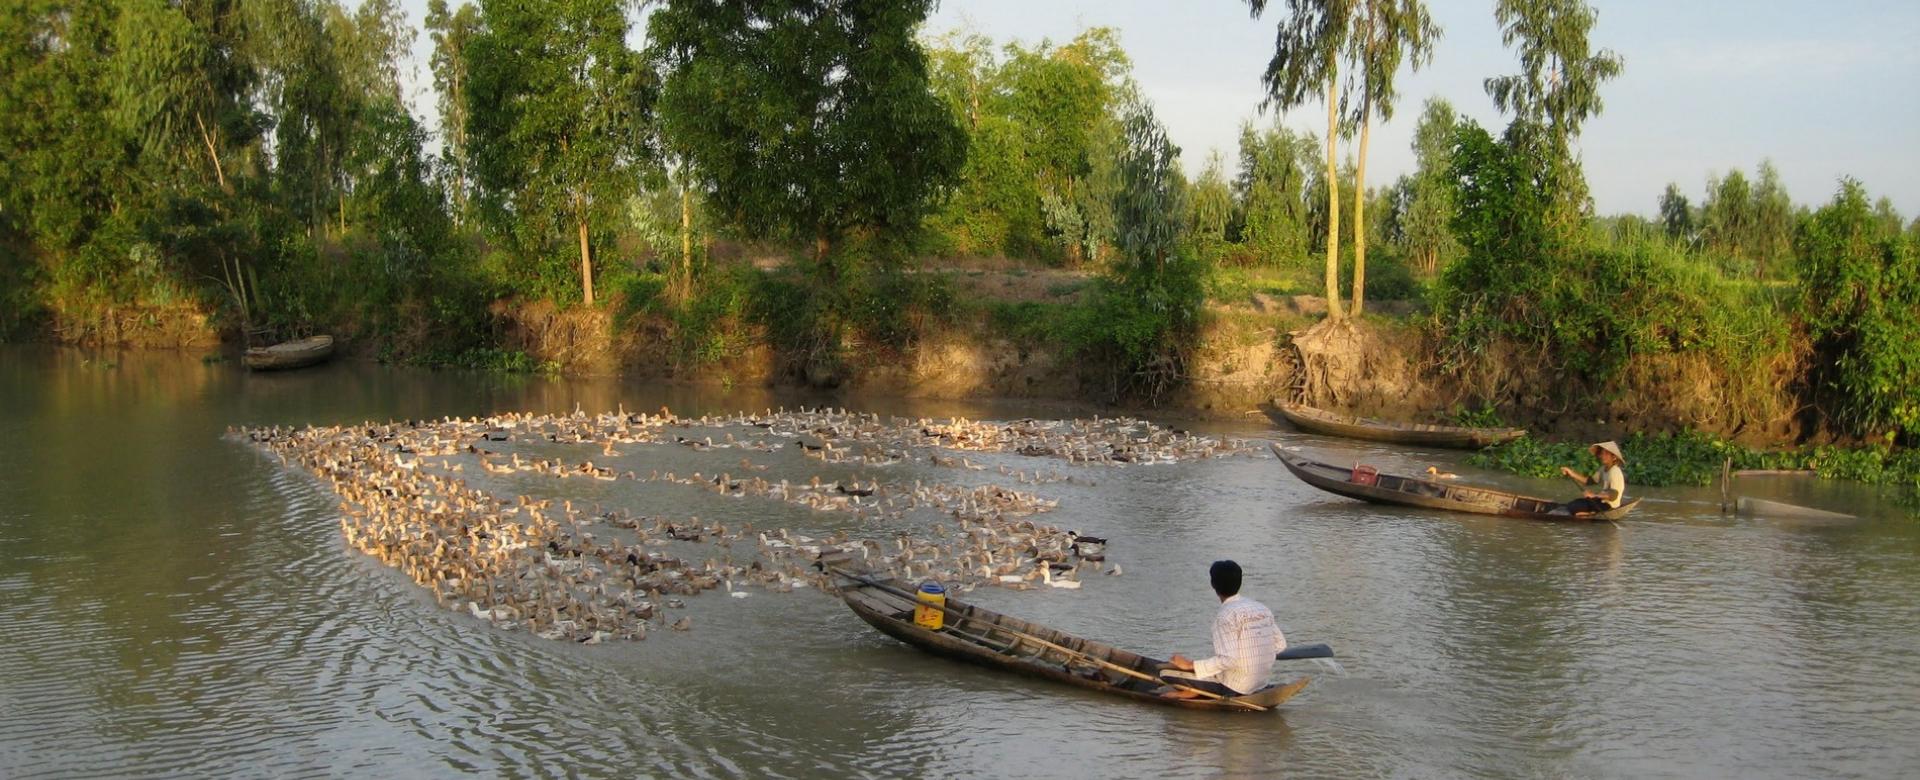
<point x="769" y="193"/>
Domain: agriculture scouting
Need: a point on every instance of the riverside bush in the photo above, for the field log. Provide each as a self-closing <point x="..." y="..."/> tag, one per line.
<point x="1860" y="285"/>
<point x="1587" y="304"/>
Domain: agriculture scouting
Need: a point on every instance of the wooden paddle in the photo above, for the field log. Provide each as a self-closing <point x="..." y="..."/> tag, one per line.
<point x="1299" y="652"/>
<point x="869" y="582"/>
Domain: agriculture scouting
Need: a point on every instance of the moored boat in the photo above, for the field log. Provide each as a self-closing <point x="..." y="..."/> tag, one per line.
<point x="1369" y="484"/>
<point x="290" y="354"/>
<point x="980" y="636"/>
<point x="1313" y="420"/>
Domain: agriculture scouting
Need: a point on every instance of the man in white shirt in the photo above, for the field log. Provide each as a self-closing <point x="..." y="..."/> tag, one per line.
<point x="1245" y="641"/>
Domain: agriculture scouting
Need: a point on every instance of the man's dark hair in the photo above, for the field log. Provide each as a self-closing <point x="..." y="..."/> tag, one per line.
<point x="1226" y="578"/>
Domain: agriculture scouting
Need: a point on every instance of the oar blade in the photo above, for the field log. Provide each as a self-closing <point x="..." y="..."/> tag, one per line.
<point x="1299" y="652"/>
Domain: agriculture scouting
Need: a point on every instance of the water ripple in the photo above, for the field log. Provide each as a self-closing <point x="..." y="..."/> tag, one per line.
<point x="202" y="617"/>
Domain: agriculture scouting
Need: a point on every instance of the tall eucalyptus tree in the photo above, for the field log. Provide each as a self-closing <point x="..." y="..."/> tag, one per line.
<point x="1306" y="59"/>
<point x="452" y="31"/>
<point x="1559" y="86"/>
<point x="1387" y="33"/>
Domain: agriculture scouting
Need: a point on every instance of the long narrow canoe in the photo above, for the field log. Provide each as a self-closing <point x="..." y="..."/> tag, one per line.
<point x="1313" y="420"/>
<point x="290" y="354"/>
<point x="1381" y="488"/>
<point x="991" y="639"/>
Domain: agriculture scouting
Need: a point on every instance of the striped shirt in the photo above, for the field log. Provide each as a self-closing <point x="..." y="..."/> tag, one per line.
<point x="1245" y="639"/>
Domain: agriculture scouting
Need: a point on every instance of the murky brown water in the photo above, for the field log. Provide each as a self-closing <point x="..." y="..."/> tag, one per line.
<point x="174" y="603"/>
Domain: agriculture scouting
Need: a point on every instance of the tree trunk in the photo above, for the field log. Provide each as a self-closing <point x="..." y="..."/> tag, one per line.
<point x="1360" y="216"/>
<point x="586" y="262"/>
<point x="686" y="242"/>
<point x="973" y="94"/>
<point x="1333" y="204"/>
<point x="213" y="154"/>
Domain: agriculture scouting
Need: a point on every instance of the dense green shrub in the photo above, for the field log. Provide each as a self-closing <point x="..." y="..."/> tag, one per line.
<point x="1860" y="284"/>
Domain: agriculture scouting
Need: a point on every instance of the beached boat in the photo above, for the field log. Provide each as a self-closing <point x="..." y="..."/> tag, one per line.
<point x="994" y="640"/>
<point x="291" y="354"/>
<point x="1313" y="420"/>
<point x="1369" y="484"/>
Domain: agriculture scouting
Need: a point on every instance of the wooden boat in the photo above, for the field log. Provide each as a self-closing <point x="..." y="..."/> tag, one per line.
<point x="994" y="640"/>
<point x="291" y="354"/>
<point x="1369" y="484"/>
<point x="1313" y="420"/>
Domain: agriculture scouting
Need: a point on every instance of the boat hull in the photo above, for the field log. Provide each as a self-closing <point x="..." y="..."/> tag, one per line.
<point x="288" y="355"/>
<point x="1313" y="420"/>
<point x="1433" y="494"/>
<point x="982" y="638"/>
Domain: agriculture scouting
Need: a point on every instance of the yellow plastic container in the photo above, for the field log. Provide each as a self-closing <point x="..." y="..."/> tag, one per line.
<point x="933" y="599"/>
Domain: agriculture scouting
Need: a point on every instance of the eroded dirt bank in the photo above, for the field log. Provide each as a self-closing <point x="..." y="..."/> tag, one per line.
<point x="1247" y="358"/>
<point x="1242" y="364"/>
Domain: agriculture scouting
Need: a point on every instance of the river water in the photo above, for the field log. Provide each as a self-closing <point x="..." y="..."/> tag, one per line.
<point x="173" y="602"/>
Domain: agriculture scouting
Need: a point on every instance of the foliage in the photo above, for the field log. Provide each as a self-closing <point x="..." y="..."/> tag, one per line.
<point x="1558" y="88"/>
<point x="1149" y="302"/>
<point x="1424" y="207"/>
<point x="1581" y="305"/>
<point x="505" y="361"/>
<point x="1486" y="416"/>
<point x="1210" y="211"/>
<point x="1274" y="188"/>
<point x="805" y="122"/>
<point x="1386" y="32"/>
<point x="1861" y="305"/>
<point x="1676" y="216"/>
<point x="1041" y="133"/>
<point x="1307" y="51"/>
<point x="452" y="33"/>
<point x="1749" y="226"/>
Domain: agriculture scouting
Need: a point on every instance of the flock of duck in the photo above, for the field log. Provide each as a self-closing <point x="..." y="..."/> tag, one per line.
<point x="439" y="502"/>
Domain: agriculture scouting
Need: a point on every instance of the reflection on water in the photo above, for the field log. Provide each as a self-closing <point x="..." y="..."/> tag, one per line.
<point x="171" y="602"/>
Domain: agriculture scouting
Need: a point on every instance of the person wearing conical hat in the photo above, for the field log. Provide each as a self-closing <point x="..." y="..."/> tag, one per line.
<point x="1607" y="487"/>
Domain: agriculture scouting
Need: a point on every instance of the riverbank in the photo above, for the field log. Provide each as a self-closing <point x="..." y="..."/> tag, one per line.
<point x="999" y="334"/>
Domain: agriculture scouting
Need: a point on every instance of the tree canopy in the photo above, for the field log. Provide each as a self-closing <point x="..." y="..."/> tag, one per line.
<point x="806" y="119"/>
<point x="555" y="119"/>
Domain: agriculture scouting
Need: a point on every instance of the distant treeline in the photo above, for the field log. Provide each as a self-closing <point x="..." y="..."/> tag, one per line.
<point x="254" y="160"/>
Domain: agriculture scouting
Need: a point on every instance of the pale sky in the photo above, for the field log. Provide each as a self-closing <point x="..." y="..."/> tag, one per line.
<point x="1824" y="90"/>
